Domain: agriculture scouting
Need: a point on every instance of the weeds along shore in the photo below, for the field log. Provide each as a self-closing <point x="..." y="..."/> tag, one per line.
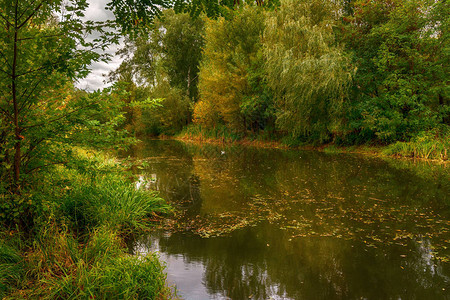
<point x="430" y="146"/>
<point x="71" y="244"/>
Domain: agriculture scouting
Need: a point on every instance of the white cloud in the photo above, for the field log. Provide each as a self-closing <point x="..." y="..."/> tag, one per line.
<point x="96" y="80"/>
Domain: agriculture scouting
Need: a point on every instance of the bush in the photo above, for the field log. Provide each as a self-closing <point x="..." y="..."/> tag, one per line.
<point x="75" y="249"/>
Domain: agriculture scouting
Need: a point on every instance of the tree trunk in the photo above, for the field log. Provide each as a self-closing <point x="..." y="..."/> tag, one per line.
<point x="17" y="146"/>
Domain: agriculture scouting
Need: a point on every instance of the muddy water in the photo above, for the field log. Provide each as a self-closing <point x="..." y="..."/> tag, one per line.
<point x="282" y="224"/>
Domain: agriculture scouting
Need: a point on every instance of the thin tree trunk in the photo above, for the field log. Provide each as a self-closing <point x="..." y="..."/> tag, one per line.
<point x="17" y="147"/>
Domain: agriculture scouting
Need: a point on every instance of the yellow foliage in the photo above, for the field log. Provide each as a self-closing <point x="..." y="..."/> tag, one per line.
<point x="205" y="114"/>
<point x="230" y="50"/>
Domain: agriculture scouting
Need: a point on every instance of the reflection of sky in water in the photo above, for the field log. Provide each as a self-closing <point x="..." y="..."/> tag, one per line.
<point x="147" y="182"/>
<point x="426" y="264"/>
<point x="186" y="275"/>
<point x="339" y="226"/>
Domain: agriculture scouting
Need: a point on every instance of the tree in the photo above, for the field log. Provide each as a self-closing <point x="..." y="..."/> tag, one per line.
<point x="178" y="40"/>
<point x="401" y="51"/>
<point x="232" y="85"/>
<point x="137" y="16"/>
<point x="307" y="69"/>
<point x="43" y="50"/>
<point x="172" y="48"/>
<point x="163" y="65"/>
<point x="169" y="114"/>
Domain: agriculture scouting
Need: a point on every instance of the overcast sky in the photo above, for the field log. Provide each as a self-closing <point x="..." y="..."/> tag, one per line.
<point x="95" y="80"/>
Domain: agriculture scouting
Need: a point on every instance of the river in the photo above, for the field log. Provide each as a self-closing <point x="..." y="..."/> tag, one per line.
<point x="254" y="223"/>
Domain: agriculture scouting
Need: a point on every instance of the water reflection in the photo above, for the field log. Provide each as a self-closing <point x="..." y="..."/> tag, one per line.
<point x="299" y="224"/>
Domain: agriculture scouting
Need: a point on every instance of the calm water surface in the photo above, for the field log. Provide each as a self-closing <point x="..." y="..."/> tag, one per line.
<point x="282" y="224"/>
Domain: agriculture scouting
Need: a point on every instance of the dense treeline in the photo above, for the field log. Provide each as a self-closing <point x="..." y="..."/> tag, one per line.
<point x="347" y="72"/>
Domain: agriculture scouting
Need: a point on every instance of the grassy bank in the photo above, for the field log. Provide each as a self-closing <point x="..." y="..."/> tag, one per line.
<point x="72" y="245"/>
<point x="221" y="135"/>
<point x="427" y="146"/>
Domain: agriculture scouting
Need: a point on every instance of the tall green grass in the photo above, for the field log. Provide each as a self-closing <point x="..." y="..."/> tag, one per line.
<point x="76" y="248"/>
<point x="110" y="200"/>
<point x="63" y="268"/>
<point x="12" y="269"/>
<point x="427" y="145"/>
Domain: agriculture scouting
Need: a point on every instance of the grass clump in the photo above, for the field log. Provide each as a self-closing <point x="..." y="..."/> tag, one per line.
<point x="75" y="246"/>
<point x="427" y="145"/>
<point x="111" y="200"/>
<point x="99" y="268"/>
<point x="12" y="269"/>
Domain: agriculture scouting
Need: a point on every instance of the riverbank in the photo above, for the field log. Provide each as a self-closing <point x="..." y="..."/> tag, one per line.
<point x="425" y="148"/>
<point x="72" y="244"/>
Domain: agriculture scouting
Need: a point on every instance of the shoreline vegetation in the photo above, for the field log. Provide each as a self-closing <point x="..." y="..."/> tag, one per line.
<point x="318" y="74"/>
<point x="425" y="149"/>
<point x="77" y="246"/>
<point x="368" y="77"/>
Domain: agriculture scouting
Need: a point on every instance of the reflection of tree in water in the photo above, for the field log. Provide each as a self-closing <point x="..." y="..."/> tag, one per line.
<point x="261" y="262"/>
<point x="334" y="195"/>
<point x="171" y="166"/>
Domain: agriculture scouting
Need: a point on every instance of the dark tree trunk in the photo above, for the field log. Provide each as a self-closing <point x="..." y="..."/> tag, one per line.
<point x="17" y="146"/>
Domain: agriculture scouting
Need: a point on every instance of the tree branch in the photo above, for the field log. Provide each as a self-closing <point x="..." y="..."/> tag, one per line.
<point x="31" y="92"/>
<point x="36" y="9"/>
<point x="46" y="165"/>
<point x="47" y="36"/>
<point x="32" y="71"/>
<point x="4" y="18"/>
<point x="26" y="9"/>
<point x="5" y="59"/>
<point x="56" y="119"/>
<point x="30" y="150"/>
<point x="6" y="113"/>
<point x="9" y="75"/>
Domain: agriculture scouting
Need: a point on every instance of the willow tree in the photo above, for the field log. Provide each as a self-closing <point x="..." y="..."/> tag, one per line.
<point x="307" y="69"/>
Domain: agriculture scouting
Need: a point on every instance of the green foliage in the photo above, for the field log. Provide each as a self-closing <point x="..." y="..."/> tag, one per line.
<point x="75" y="247"/>
<point x="307" y="69"/>
<point x="172" y="50"/>
<point x="312" y="72"/>
<point x="42" y="114"/>
<point x="95" y="192"/>
<point x="52" y="143"/>
<point x="137" y="16"/>
<point x="178" y="40"/>
<point x="65" y="269"/>
<point x="162" y="65"/>
<point x="401" y="51"/>
<point x="172" y="113"/>
<point x="428" y="145"/>
<point x="109" y="200"/>
<point x="232" y="86"/>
